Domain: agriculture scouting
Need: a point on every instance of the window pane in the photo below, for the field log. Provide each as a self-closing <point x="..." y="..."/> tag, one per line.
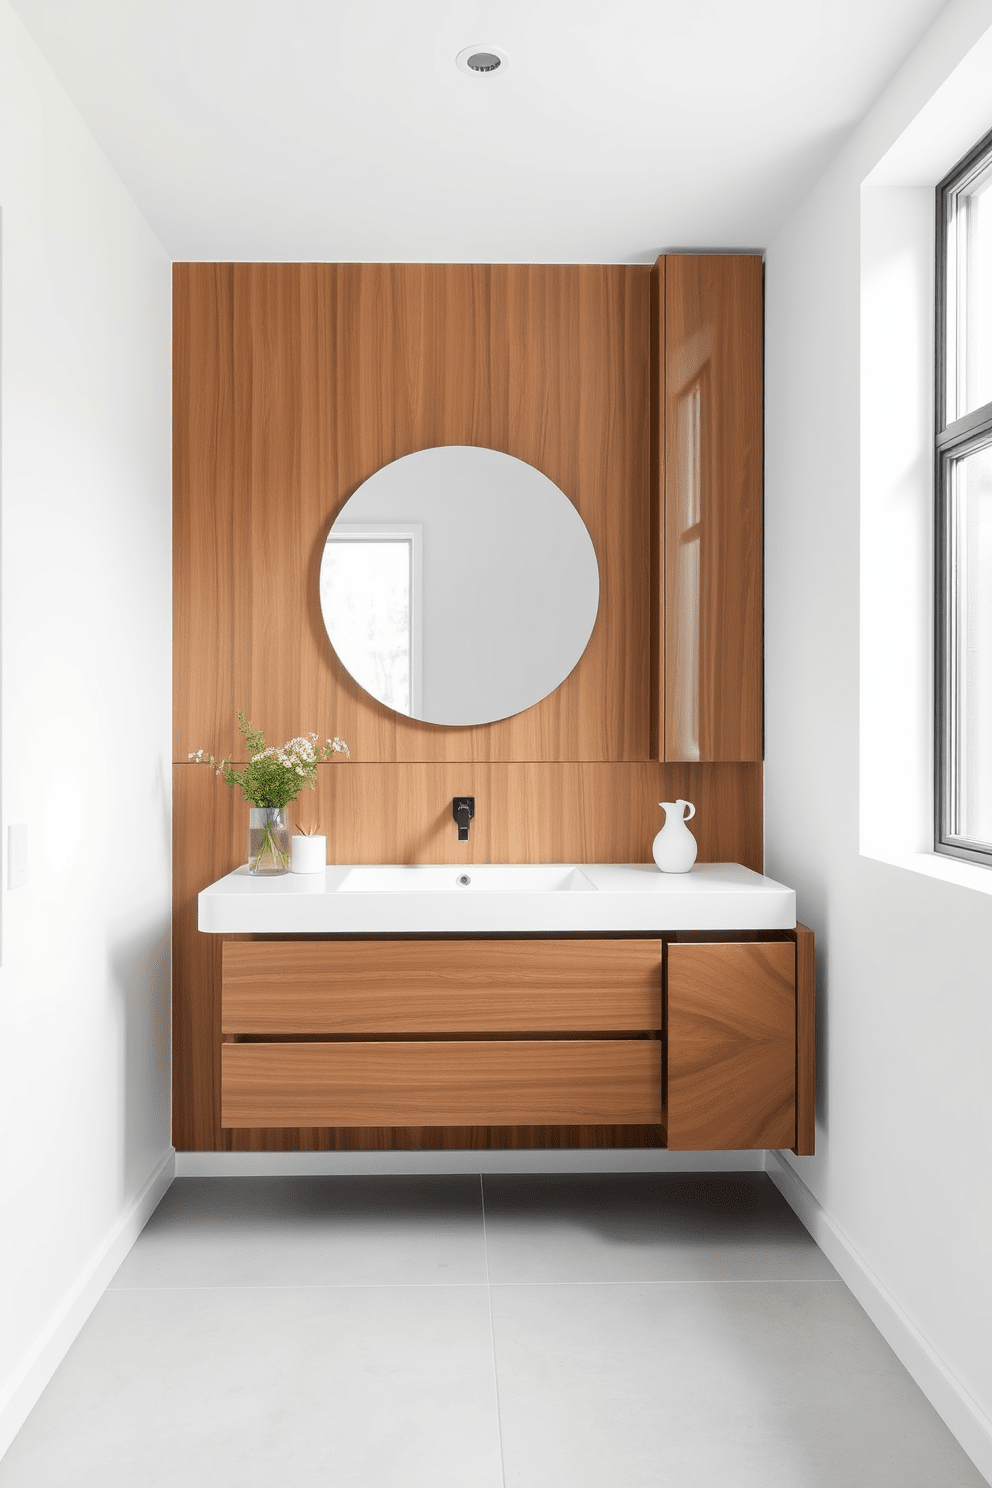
<point x="969" y="310"/>
<point x="365" y="596"/>
<point x="970" y="627"/>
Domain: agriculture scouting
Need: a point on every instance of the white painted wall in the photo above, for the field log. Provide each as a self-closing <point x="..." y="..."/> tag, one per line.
<point x="903" y="1170"/>
<point x="86" y="649"/>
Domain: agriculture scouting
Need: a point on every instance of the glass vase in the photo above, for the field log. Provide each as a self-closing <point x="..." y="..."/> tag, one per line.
<point x="268" y="840"/>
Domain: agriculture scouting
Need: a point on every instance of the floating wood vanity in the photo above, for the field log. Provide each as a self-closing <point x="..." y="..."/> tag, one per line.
<point x="712" y="1041"/>
<point x="637" y="389"/>
<point x="704" y="1034"/>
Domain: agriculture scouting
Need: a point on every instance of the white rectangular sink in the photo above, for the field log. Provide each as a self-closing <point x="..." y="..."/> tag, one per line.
<point x="499" y="897"/>
<point x="448" y="878"/>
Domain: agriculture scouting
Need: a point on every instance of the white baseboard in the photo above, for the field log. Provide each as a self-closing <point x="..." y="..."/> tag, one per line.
<point x="473" y="1160"/>
<point x="960" y="1412"/>
<point x="21" y="1392"/>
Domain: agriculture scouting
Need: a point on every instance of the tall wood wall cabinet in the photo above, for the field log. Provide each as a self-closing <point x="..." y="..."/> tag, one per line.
<point x="638" y="391"/>
<point x="707" y="458"/>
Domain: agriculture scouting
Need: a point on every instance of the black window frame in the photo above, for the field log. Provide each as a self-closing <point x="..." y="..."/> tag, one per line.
<point x="953" y="439"/>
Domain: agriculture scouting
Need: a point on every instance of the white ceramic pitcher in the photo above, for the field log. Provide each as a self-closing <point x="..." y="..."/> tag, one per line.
<point x="675" y="847"/>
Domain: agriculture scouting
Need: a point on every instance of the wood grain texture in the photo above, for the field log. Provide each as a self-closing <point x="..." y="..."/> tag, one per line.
<point x="658" y="437"/>
<point x="467" y="1083"/>
<point x="208" y="508"/>
<point x="524" y="813"/>
<point x="440" y="986"/>
<point x="489" y="1138"/>
<point x="805" y="1042"/>
<point x="293" y="383"/>
<point x="731" y="1046"/>
<point x="201" y="851"/>
<point x="402" y="813"/>
<point x="326" y="372"/>
<point x="713" y="507"/>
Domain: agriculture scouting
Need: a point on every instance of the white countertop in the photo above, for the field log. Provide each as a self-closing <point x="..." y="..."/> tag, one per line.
<point x="594" y="896"/>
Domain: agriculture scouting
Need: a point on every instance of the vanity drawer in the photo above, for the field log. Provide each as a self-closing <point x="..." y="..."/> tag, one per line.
<point x="468" y="1082"/>
<point x="441" y="986"/>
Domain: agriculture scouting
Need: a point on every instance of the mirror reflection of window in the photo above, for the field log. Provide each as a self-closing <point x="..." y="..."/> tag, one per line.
<point x="369" y="598"/>
<point x="505" y="587"/>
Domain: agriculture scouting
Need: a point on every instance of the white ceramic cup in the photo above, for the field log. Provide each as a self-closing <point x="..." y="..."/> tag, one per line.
<point x="309" y="854"/>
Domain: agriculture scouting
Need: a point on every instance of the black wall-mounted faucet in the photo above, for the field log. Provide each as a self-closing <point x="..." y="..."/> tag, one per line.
<point x="463" y="810"/>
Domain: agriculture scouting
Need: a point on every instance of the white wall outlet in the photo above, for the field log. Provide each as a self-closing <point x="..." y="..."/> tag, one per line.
<point x="17" y="856"/>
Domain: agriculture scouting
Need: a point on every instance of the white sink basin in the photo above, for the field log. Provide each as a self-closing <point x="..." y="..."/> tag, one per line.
<point x="499" y="898"/>
<point x="473" y="878"/>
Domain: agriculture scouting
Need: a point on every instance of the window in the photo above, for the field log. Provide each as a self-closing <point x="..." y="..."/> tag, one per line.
<point x="964" y="509"/>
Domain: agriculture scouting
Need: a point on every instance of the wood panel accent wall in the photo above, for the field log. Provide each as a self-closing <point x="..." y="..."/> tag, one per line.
<point x="296" y="382"/>
<point x="293" y="384"/>
<point x="710" y="308"/>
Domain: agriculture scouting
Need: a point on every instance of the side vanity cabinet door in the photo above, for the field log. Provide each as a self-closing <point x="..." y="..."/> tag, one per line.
<point x="731" y="1039"/>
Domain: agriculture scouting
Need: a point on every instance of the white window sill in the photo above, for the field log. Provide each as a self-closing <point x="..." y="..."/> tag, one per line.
<point x="937" y="865"/>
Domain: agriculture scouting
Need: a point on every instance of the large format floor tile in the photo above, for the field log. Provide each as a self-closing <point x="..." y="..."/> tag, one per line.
<point x="646" y="1227"/>
<point x="311" y="1232"/>
<point x="386" y="1387"/>
<point x="637" y="1331"/>
<point x="755" y="1385"/>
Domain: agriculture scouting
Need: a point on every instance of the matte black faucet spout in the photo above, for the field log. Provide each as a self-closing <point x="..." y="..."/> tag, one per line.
<point x="463" y="810"/>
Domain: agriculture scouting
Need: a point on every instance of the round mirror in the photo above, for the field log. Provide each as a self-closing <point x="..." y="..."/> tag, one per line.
<point x="459" y="585"/>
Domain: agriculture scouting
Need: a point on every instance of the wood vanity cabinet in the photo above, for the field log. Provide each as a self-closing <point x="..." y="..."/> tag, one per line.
<point x="707" y="1039"/>
<point x="730" y="1072"/>
<point x="441" y="1032"/>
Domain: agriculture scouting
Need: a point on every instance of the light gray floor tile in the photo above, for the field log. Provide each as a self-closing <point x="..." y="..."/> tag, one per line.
<point x="767" y="1385"/>
<point x="288" y="1388"/>
<point x="311" y="1232"/>
<point x="645" y="1227"/>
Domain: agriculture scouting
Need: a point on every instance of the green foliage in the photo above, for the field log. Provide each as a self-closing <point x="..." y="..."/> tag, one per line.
<point x="254" y="737"/>
<point x="273" y="777"/>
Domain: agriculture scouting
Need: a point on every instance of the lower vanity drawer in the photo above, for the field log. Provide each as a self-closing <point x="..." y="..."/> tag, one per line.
<point x="443" y="1083"/>
<point x="441" y="986"/>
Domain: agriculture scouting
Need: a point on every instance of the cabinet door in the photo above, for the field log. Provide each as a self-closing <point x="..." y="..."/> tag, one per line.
<point x="712" y="517"/>
<point x="731" y="1046"/>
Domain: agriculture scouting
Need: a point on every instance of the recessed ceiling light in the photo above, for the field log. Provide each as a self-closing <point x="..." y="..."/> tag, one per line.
<point x="481" y="59"/>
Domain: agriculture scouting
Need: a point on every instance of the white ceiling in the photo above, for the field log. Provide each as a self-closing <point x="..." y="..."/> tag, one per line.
<point x="342" y="129"/>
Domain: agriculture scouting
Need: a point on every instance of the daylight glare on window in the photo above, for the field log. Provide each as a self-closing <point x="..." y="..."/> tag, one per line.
<point x="969" y="281"/>
<point x="963" y="506"/>
<point x="971" y="661"/>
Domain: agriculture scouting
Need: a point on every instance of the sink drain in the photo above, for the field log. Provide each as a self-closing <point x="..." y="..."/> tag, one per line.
<point x="463" y="880"/>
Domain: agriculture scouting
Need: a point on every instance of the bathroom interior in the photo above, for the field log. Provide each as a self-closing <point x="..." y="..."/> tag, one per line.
<point x="204" y="359"/>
